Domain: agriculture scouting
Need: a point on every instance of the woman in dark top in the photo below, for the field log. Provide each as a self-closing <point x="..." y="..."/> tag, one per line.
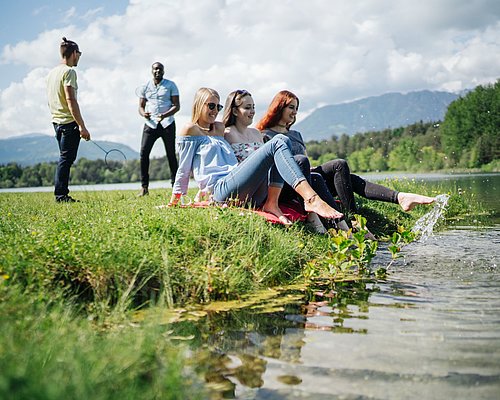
<point x="279" y="118"/>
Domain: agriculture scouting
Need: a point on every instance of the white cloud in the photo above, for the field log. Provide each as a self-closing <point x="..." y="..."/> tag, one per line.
<point x="325" y="51"/>
<point x="70" y="13"/>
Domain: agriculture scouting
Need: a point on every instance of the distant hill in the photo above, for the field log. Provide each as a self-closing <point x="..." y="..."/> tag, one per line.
<point x="35" y="148"/>
<point x="390" y="110"/>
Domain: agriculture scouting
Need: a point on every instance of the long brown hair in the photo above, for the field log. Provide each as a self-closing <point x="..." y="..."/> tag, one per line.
<point x="275" y="110"/>
<point x="234" y="99"/>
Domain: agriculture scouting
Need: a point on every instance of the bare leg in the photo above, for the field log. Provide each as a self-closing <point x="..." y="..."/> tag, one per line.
<point x="271" y="205"/>
<point x="409" y="200"/>
<point x="312" y="202"/>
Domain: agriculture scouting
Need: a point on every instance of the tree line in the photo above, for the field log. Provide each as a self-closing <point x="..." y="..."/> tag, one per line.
<point x="468" y="137"/>
<point x="83" y="172"/>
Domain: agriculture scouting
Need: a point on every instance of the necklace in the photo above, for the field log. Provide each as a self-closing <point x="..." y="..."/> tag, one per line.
<point x="204" y="129"/>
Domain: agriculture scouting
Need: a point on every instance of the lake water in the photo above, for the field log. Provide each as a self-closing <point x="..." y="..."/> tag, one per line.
<point x="431" y="330"/>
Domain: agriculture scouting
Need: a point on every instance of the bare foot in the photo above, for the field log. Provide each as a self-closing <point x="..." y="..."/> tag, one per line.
<point x="275" y="210"/>
<point x="409" y="200"/>
<point x="317" y="205"/>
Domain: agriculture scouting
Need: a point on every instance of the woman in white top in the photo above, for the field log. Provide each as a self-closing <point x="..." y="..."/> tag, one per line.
<point x="204" y="152"/>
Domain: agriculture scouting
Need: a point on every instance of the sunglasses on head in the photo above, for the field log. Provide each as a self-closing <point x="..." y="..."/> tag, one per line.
<point x="240" y="93"/>
<point x="211" y="106"/>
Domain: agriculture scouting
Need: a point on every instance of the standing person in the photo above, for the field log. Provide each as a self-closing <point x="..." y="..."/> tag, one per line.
<point x="204" y="152"/>
<point x="68" y="123"/>
<point x="159" y="101"/>
<point x="278" y="120"/>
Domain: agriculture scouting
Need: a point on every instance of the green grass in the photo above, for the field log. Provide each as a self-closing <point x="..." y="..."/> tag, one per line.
<point x="48" y="351"/>
<point x="113" y="248"/>
<point x="72" y="274"/>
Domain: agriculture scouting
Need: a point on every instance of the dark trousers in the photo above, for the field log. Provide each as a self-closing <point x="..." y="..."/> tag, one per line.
<point x="149" y="137"/>
<point x="68" y="139"/>
<point x="316" y="181"/>
<point x="343" y="184"/>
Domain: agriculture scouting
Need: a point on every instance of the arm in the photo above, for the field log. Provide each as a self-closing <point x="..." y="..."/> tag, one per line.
<point x="187" y="151"/>
<point x="74" y="108"/>
<point x="142" y="108"/>
<point x="176" y="106"/>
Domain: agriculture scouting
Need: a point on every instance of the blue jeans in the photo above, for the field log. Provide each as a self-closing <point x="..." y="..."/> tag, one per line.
<point x="246" y="180"/>
<point x="68" y="139"/>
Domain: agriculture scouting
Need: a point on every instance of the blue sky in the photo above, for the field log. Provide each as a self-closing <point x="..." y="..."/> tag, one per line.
<point x="23" y="20"/>
<point x="327" y="52"/>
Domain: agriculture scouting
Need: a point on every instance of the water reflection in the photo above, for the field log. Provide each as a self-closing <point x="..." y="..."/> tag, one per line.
<point x="431" y="330"/>
<point x="233" y="349"/>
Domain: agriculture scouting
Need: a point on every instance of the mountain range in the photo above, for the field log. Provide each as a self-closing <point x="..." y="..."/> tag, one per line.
<point x="36" y="148"/>
<point x="390" y="110"/>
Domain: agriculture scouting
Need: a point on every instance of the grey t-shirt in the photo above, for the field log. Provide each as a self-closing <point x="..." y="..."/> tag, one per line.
<point x="298" y="145"/>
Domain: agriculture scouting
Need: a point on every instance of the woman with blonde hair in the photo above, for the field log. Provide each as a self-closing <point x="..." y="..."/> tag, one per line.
<point x="204" y="152"/>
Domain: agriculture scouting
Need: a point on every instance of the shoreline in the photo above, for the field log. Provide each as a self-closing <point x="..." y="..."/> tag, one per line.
<point x="375" y="176"/>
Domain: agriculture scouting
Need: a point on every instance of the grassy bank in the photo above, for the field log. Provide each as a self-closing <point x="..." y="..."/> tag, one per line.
<point x="70" y="274"/>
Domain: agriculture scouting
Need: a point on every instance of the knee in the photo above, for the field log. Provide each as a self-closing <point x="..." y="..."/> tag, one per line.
<point x="303" y="162"/>
<point x="341" y="165"/>
<point x="67" y="158"/>
<point x="281" y="139"/>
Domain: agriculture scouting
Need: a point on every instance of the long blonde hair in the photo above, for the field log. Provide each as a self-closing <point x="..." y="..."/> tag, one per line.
<point x="200" y="98"/>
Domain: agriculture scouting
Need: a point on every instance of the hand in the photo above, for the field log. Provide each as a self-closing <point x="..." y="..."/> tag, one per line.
<point x="84" y="134"/>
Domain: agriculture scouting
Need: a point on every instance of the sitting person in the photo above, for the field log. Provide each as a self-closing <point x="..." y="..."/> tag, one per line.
<point x="204" y="151"/>
<point x="238" y="116"/>
<point x="279" y="118"/>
